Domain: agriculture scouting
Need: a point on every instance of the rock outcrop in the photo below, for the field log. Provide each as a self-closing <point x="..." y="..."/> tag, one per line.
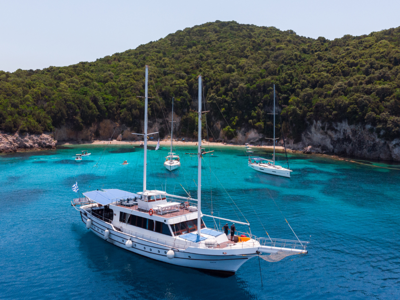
<point x="347" y="140"/>
<point x="17" y="142"/>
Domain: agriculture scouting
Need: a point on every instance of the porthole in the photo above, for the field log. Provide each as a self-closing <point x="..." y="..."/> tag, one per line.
<point x="189" y="256"/>
<point x="123" y="241"/>
<point x="158" y="251"/>
<point x="134" y="245"/>
<point x="144" y="247"/>
<point x="151" y="249"/>
<point x="165" y="252"/>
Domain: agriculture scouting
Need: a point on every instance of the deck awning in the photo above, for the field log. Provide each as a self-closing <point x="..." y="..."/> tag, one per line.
<point x="105" y="197"/>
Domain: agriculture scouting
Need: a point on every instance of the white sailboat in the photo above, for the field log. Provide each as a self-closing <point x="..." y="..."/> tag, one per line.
<point x="172" y="161"/>
<point x="169" y="228"/>
<point x="268" y="166"/>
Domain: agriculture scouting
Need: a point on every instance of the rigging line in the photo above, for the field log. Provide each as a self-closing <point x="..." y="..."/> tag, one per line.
<point x="222" y="114"/>
<point x="230" y="197"/>
<point x="284" y="142"/>
<point x="284" y="217"/>
<point x="209" y="165"/>
<point x="258" y="217"/>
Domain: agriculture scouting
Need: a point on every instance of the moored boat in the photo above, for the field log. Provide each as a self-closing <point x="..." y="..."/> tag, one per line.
<point x="172" y="161"/>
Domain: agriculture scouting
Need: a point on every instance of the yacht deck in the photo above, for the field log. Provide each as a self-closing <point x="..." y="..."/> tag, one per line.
<point x="181" y="211"/>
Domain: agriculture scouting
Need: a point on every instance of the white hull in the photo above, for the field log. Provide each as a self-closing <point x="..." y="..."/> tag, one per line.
<point x="172" y="165"/>
<point x="271" y="169"/>
<point x="190" y="257"/>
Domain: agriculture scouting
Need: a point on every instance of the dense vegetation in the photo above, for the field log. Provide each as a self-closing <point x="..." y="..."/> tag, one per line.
<point x="351" y="78"/>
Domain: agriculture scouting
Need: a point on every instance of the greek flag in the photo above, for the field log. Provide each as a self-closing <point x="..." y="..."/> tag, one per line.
<point x="75" y="187"/>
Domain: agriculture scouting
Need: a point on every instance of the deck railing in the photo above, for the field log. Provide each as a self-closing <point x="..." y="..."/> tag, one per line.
<point x="282" y="243"/>
<point x="173" y="242"/>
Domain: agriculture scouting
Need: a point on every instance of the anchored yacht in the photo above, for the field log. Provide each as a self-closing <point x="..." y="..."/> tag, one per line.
<point x="172" y="161"/>
<point x="170" y="228"/>
<point x="265" y="165"/>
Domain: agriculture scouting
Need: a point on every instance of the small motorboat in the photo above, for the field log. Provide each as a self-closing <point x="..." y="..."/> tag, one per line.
<point x="78" y="157"/>
<point x="84" y="153"/>
<point x="125" y="162"/>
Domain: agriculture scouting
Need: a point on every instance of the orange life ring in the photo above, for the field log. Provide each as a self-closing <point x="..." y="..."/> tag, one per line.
<point x="151" y="212"/>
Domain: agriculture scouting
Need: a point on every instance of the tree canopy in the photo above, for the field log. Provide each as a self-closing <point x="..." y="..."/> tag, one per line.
<point x="350" y="78"/>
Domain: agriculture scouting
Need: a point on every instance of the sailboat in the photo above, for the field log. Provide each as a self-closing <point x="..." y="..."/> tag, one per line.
<point x="172" y="161"/>
<point x="268" y="166"/>
<point x="170" y="228"/>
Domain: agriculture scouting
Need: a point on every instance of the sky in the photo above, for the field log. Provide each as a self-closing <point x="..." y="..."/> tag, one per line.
<point x="35" y="34"/>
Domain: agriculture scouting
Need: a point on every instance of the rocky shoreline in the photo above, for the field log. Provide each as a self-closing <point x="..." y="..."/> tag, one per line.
<point x="10" y="143"/>
<point x="338" y="140"/>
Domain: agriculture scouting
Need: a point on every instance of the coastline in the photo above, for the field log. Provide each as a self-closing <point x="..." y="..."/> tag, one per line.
<point x="176" y="143"/>
<point x="278" y="149"/>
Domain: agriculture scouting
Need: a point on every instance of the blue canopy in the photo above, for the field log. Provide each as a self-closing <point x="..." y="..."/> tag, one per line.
<point x="106" y="197"/>
<point x="211" y="232"/>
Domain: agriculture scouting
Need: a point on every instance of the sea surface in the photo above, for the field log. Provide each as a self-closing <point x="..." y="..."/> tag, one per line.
<point x="349" y="211"/>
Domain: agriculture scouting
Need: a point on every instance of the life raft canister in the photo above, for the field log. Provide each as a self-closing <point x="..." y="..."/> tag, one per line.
<point x="151" y="212"/>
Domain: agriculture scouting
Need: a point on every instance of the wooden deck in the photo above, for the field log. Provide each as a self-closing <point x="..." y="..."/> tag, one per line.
<point x="168" y="215"/>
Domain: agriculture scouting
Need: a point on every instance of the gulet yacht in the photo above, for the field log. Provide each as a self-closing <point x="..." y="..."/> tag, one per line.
<point x="170" y="228"/>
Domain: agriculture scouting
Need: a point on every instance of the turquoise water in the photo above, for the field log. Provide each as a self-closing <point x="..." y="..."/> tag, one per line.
<point x="349" y="212"/>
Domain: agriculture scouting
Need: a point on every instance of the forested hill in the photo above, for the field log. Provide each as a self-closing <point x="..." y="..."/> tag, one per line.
<point x="351" y="78"/>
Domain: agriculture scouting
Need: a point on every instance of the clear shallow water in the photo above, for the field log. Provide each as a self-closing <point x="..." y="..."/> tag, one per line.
<point x="350" y="213"/>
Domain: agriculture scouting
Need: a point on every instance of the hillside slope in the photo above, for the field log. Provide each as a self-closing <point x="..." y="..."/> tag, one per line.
<point x="351" y="79"/>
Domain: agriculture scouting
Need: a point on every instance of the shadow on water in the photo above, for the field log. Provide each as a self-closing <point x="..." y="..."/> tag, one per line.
<point x="12" y="179"/>
<point x="18" y="198"/>
<point x="262" y="178"/>
<point x="123" y="150"/>
<point x="82" y="178"/>
<point x="73" y="162"/>
<point x="119" y="265"/>
<point x="39" y="162"/>
<point x="148" y="147"/>
<point x="27" y="155"/>
<point x="166" y="174"/>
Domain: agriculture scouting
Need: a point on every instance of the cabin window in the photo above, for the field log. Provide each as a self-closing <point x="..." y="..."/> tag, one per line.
<point x="165" y="229"/>
<point x="150" y="225"/>
<point x="186" y="227"/>
<point x="159" y="227"/>
<point x="122" y="217"/>
<point x="140" y="222"/>
<point x="132" y="220"/>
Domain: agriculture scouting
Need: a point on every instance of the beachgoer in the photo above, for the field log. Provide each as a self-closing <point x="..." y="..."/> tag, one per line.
<point x="233" y="229"/>
<point x="226" y="229"/>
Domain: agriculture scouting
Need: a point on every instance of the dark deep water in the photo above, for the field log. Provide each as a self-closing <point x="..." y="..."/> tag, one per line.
<point x="349" y="212"/>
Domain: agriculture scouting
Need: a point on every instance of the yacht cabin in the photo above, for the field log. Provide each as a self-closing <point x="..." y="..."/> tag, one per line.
<point x="151" y="212"/>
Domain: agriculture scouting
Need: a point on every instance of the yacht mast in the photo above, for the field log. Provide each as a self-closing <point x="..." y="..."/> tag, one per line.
<point x="172" y="126"/>
<point x="199" y="166"/>
<point x="145" y="129"/>
<point x="274" y="126"/>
